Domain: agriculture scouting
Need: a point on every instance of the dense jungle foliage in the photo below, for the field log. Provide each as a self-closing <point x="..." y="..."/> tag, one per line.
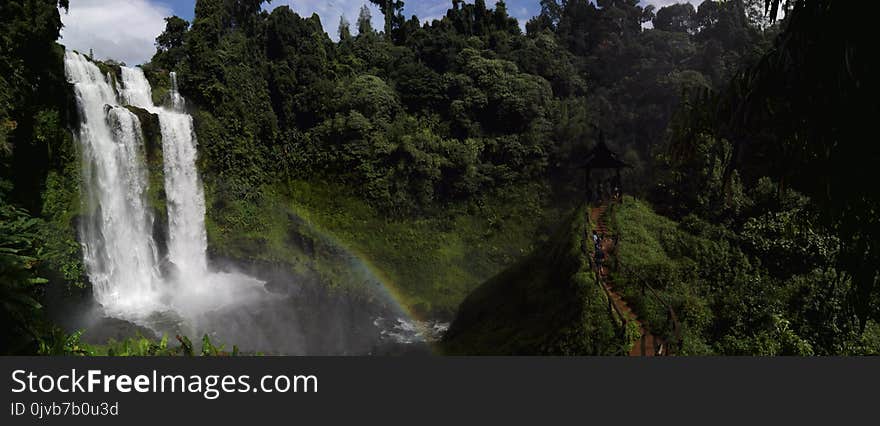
<point x="459" y="128"/>
<point x="39" y="172"/>
<point x="774" y="168"/>
<point x="768" y="288"/>
<point x="418" y="116"/>
<point x="447" y="151"/>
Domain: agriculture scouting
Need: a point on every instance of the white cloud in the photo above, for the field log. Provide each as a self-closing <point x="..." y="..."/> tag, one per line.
<point x="124" y="30"/>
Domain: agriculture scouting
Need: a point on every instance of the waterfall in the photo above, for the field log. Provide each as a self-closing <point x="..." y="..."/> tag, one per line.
<point x="120" y="254"/>
<point x="188" y="241"/>
<point x="177" y="101"/>
<point x="134" y="281"/>
<point x="119" y="251"/>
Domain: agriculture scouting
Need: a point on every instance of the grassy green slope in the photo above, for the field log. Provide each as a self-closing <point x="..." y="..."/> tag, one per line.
<point x="432" y="262"/>
<point x="654" y="250"/>
<point x="548" y="303"/>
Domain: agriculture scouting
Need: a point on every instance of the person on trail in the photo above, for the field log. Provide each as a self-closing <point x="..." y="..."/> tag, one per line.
<point x="600" y="259"/>
<point x="595" y="238"/>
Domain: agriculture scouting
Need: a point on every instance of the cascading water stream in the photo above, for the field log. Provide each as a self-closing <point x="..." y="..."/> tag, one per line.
<point x="177" y="101"/>
<point x="119" y="251"/>
<point x="188" y="241"/>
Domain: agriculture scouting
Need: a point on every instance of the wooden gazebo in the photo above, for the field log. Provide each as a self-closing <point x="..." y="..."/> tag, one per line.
<point x="602" y="158"/>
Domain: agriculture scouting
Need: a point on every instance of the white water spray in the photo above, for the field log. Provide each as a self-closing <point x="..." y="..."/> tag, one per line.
<point x="120" y="253"/>
<point x="177" y="101"/>
<point x="188" y="240"/>
<point x="118" y="247"/>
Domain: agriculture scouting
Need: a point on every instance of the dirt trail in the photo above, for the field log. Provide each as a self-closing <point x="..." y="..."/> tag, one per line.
<point x="648" y="344"/>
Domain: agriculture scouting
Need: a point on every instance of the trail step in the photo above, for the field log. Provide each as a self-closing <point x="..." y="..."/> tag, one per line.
<point x="648" y="344"/>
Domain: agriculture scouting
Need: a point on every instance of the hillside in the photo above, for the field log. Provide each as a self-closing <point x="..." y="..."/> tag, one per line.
<point x="548" y="303"/>
<point x="725" y="299"/>
<point x="429" y="263"/>
<point x="729" y="298"/>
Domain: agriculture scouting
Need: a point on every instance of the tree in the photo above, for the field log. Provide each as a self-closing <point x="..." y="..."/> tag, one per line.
<point x="244" y="12"/>
<point x="553" y="9"/>
<point x="344" y="31"/>
<point x="756" y="14"/>
<point x="502" y="20"/>
<point x="788" y="92"/>
<point x="394" y="20"/>
<point x="169" y="44"/>
<point x="799" y="115"/>
<point x="365" y="21"/>
<point x="677" y="17"/>
<point x="172" y="37"/>
<point x="32" y="77"/>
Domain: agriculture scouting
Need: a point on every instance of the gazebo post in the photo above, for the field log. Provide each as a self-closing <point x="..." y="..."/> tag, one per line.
<point x="619" y="185"/>
<point x="600" y="157"/>
<point x="589" y="193"/>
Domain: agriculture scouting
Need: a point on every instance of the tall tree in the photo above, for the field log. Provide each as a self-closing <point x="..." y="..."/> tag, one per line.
<point x="31" y="78"/>
<point x="344" y="30"/>
<point x="394" y="20"/>
<point x="172" y="37"/>
<point x="551" y="14"/>
<point x="169" y="44"/>
<point x="817" y="91"/>
<point x="365" y="21"/>
<point x="677" y="17"/>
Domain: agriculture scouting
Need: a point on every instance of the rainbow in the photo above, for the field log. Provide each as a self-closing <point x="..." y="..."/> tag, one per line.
<point x="361" y="263"/>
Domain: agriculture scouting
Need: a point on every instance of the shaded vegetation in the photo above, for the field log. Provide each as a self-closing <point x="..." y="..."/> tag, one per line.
<point x="548" y="303"/>
<point x="728" y="299"/>
<point x="39" y="173"/>
<point x="777" y="156"/>
<point x="135" y="346"/>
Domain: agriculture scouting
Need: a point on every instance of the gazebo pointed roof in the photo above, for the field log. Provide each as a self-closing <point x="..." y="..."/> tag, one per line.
<point x="601" y="157"/>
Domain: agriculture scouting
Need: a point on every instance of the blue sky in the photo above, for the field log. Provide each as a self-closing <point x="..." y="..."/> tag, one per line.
<point x="522" y="9"/>
<point x="126" y="30"/>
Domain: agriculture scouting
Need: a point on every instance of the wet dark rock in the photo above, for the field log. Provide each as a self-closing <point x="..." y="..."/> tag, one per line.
<point x="152" y="133"/>
<point x="168" y="268"/>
